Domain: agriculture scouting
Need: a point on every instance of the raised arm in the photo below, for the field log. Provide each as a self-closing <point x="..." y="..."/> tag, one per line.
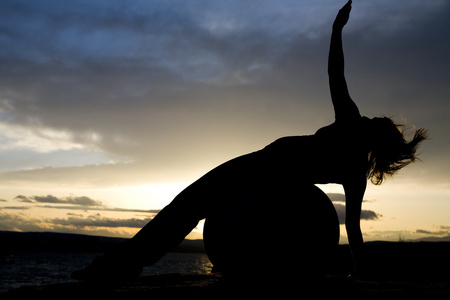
<point x="344" y="107"/>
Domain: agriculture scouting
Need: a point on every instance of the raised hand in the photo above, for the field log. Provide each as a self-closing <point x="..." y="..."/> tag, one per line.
<point x="343" y="16"/>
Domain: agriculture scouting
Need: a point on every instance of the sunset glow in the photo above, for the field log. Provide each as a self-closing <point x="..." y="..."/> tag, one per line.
<point x="108" y="109"/>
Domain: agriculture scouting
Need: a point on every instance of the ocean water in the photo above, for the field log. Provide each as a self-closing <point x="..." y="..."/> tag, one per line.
<point x="39" y="268"/>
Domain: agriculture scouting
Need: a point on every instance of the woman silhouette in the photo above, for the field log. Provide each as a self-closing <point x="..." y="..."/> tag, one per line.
<point x="350" y="151"/>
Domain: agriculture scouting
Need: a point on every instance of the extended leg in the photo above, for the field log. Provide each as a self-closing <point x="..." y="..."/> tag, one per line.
<point x="175" y="221"/>
<point x="160" y="235"/>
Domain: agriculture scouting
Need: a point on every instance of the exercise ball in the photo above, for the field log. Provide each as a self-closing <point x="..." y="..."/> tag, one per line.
<point x="276" y="229"/>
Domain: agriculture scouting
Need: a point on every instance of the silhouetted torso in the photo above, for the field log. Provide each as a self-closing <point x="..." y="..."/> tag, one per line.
<point x="332" y="155"/>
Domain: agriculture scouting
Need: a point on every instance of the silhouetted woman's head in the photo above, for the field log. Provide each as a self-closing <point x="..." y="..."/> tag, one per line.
<point x="390" y="151"/>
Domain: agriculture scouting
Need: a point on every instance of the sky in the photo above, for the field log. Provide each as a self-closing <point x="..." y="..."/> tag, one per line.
<point x="108" y="109"/>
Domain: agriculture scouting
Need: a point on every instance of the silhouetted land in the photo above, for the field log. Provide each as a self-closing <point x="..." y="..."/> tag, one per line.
<point x="65" y="242"/>
<point x="405" y="269"/>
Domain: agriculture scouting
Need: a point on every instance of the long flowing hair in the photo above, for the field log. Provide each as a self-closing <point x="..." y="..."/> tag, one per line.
<point x="390" y="150"/>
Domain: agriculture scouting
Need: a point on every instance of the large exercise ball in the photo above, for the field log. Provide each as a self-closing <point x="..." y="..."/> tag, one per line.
<point x="276" y="229"/>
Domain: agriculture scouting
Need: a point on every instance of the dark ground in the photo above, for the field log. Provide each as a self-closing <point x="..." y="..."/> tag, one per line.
<point x="398" y="270"/>
<point x="215" y="286"/>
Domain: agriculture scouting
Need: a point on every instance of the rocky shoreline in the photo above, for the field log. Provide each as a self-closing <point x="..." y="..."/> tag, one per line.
<point x="218" y="286"/>
<point x="396" y="270"/>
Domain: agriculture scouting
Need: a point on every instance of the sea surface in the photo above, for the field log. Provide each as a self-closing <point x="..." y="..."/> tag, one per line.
<point x="40" y="268"/>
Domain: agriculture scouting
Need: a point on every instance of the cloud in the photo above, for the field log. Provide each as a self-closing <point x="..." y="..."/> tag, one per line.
<point x="442" y="231"/>
<point x="103" y="175"/>
<point x="366" y="215"/>
<point x="100" y="221"/>
<point x="75" y="215"/>
<point x="148" y="30"/>
<point x="72" y="200"/>
<point x="98" y="208"/>
<point x="37" y="138"/>
<point x="74" y="203"/>
<point x="336" y="197"/>
<point x="93" y="224"/>
<point x="407" y="235"/>
<point x="22" y="198"/>
<point x="15" y="207"/>
<point x="339" y="197"/>
<point x="21" y="222"/>
<point x="187" y="77"/>
<point x="169" y="91"/>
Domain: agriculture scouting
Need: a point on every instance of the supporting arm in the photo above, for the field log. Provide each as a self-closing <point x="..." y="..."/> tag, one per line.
<point x="354" y="193"/>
